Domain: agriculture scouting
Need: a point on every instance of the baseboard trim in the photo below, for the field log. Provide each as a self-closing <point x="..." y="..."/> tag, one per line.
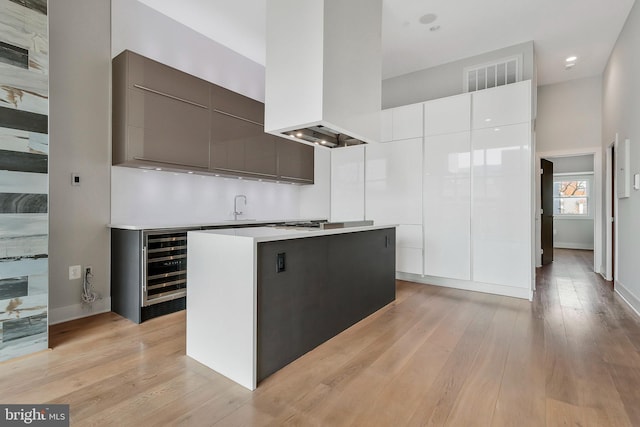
<point x="604" y="276"/>
<point x="78" y="311"/>
<point x="627" y="296"/>
<point x="561" y="245"/>
<point x="468" y="285"/>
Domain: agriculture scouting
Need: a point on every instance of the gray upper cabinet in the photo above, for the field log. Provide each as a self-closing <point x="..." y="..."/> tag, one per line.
<point x="160" y="115"/>
<point x="166" y="118"/>
<point x="295" y="161"/>
<point x="238" y="142"/>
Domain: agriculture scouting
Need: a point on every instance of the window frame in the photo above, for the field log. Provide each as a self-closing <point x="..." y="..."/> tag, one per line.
<point x="586" y="176"/>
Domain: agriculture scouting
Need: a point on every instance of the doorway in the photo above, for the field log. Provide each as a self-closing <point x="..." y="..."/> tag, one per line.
<point x="611" y="201"/>
<point x="576" y="205"/>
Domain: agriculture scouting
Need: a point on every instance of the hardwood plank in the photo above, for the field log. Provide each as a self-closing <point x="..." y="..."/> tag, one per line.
<point x="14" y="55"/>
<point x="23" y="162"/>
<point x="435" y="356"/>
<point x="14" y="287"/>
<point x="487" y="371"/>
<point x="37" y="5"/>
<point x="20" y="203"/>
<point x="23" y="120"/>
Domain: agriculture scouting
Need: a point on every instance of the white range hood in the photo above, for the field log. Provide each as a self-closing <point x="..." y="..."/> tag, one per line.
<point x="323" y="70"/>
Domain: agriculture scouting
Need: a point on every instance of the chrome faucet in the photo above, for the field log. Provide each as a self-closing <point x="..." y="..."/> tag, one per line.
<point x="236" y="212"/>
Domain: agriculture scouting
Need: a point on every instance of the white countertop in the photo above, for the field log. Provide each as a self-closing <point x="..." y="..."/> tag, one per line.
<point x="270" y="234"/>
<point x="228" y="223"/>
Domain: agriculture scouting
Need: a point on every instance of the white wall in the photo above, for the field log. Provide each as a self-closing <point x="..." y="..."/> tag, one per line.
<point x="315" y="200"/>
<point x="569" y="115"/>
<point x="446" y="80"/>
<point x="573" y="164"/>
<point x="146" y="31"/>
<point x="156" y="198"/>
<point x="569" y="122"/>
<point x="80" y="59"/>
<point x="621" y="113"/>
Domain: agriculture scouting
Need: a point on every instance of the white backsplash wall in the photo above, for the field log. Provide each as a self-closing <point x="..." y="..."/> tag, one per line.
<point x="163" y="198"/>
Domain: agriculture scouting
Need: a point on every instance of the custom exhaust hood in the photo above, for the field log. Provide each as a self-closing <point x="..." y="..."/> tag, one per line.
<point x="323" y="71"/>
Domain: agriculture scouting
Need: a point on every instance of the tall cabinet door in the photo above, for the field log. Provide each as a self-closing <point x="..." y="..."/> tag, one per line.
<point x="347" y="183"/>
<point x="394" y="196"/>
<point x="447" y="187"/>
<point x="502" y="205"/>
<point x="447" y="206"/>
<point x="502" y="186"/>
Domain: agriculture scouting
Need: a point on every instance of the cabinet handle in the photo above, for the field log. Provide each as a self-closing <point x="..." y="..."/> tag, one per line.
<point x="157" y="92"/>
<point x="298" y="179"/>
<point x="143" y="270"/>
<point x="237" y="117"/>
<point x="247" y="172"/>
<point x="170" y="163"/>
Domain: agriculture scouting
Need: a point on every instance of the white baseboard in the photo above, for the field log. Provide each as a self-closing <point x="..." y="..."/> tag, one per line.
<point x="564" y="245"/>
<point x="78" y="311"/>
<point x="628" y="296"/>
<point x="468" y="285"/>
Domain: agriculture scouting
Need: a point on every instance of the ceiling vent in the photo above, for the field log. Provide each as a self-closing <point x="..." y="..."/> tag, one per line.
<point x="499" y="73"/>
<point x="323" y="71"/>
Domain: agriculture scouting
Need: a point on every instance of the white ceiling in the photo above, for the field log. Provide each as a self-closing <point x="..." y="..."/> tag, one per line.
<point x="559" y="28"/>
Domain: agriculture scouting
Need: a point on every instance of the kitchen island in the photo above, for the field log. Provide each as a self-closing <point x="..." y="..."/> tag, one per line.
<point x="259" y="298"/>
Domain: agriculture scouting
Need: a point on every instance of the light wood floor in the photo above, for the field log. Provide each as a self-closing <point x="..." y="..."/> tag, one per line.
<point x="436" y="356"/>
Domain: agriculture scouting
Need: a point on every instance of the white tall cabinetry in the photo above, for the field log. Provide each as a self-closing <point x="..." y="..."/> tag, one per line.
<point x="394" y="182"/>
<point x="394" y="196"/>
<point x="447" y="187"/>
<point x="502" y="186"/>
<point x="477" y="190"/>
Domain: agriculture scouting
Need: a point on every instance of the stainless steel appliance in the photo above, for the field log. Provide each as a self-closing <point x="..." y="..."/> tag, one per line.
<point x="165" y="266"/>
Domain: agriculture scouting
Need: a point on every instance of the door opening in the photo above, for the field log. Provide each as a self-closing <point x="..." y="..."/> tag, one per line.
<point x="546" y="196"/>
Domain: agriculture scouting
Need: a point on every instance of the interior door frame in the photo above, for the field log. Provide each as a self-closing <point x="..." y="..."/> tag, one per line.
<point x="596" y="195"/>
<point x="610" y="271"/>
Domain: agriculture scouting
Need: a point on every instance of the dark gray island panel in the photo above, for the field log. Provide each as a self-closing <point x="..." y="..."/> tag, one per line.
<point x="329" y="284"/>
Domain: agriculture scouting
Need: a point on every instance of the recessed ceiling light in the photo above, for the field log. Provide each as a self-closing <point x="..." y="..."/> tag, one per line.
<point x="569" y="66"/>
<point x="299" y="134"/>
<point x="428" y="18"/>
<point x="158" y="169"/>
<point x="487" y="120"/>
<point x="190" y="172"/>
<point x="571" y="59"/>
<point x="434" y="28"/>
<point x="323" y="142"/>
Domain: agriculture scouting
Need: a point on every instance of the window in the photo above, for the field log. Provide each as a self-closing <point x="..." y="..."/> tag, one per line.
<point x="571" y="196"/>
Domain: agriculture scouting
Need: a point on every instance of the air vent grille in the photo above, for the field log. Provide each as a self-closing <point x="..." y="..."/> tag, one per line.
<point x="492" y="74"/>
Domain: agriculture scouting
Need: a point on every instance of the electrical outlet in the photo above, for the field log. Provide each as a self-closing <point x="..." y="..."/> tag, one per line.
<point x="75" y="272"/>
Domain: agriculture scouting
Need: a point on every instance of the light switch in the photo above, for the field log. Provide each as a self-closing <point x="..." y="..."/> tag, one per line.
<point x="75" y="179"/>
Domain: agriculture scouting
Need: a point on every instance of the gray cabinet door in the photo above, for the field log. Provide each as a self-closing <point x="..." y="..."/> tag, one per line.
<point x="238" y="145"/>
<point x="160" y="115"/>
<point x="235" y="104"/>
<point x="154" y="76"/>
<point x="295" y="161"/>
<point x="166" y="130"/>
